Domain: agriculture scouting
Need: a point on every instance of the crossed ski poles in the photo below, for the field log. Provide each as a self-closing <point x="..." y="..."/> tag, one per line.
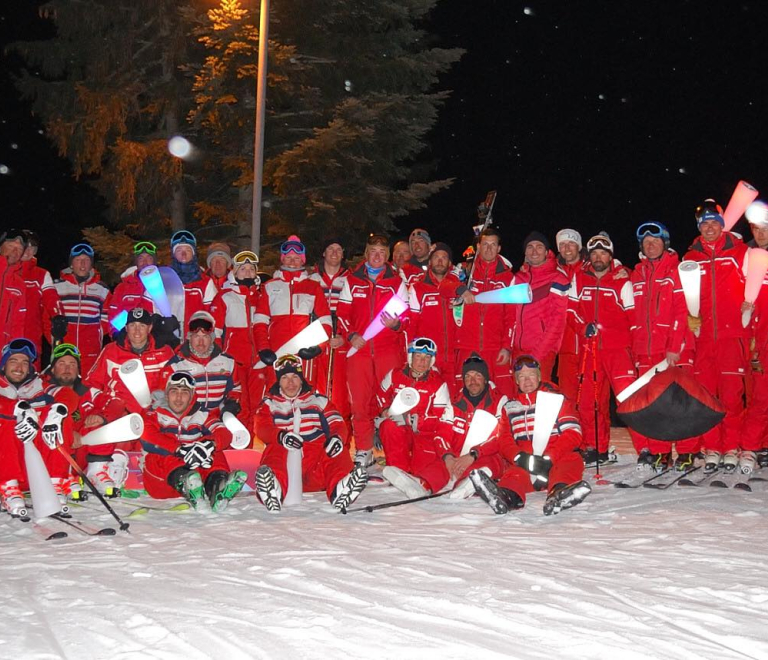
<point x="592" y="348"/>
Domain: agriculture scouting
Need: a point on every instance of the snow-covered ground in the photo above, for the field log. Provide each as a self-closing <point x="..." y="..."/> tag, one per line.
<point x="680" y="573"/>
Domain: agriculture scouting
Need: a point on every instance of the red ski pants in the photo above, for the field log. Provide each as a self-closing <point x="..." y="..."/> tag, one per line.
<point x="415" y="453"/>
<point x="566" y="470"/>
<point x="613" y="369"/>
<point x="754" y="428"/>
<point x="720" y="366"/>
<point x="157" y="468"/>
<point x="13" y="466"/>
<point x="364" y="375"/>
<point x="568" y="374"/>
<point x="689" y="446"/>
<point x="339" y="392"/>
<point x="318" y="471"/>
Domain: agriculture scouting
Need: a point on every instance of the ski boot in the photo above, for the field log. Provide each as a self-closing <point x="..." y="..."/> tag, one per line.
<point x="711" y="461"/>
<point x="465" y="488"/>
<point x="644" y="459"/>
<point x="747" y="462"/>
<point x="660" y="462"/>
<point x="224" y="489"/>
<point x="349" y="488"/>
<point x="268" y="489"/>
<point x="191" y="487"/>
<point x="730" y="461"/>
<point x="501" y="500"/>
<point x="592" y="457"/>
<point x="364" y="458"/>
<point x="98" y="473"/>
<point x="684" y="462"/>
<point x="118" y="468"/>
<point x="564" y="497"/>
<point x="61" y="486"/>
<point x="762" y="458"/>
<point x="12" y="499"/>
<point x="407" y="484"/>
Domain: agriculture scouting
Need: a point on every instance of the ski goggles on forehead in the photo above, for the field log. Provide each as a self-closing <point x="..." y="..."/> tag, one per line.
<point x="423" y="345"/>
<point x="651" y="229"/>
<point x="65" y="349"/>
<point x="81" y="248"/>
<point x="23" y="346"/>
<point x="248" y="257"/>
<point x="145" y="247"/>
<point x="292" y="246"/>
<point x="183" y="236"/>
<point x="378" y="239"/>
<point x="526" y="361"/>
<point x="181" y="379"/>
<point x="201" y="325"/>
<point x="286" y="360"/>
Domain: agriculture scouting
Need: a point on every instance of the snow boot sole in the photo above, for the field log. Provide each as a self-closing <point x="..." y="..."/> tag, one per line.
<point x="567" y="497"/>
<point x="492" y="495"/>
<point x="268" y="489"/>
<point x="349" y="488"/>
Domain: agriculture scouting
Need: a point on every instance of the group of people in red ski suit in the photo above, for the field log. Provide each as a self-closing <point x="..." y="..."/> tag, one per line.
<point x="592" y="324"/>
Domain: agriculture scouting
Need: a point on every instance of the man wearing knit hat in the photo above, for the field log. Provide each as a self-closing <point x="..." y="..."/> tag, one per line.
<point x="84" y="301"/>
<point x="601" y="312"/>
<point x="420" y="245"/>
<point x="571" y="259"/>
<point x="539" y="325"/>
<point x="219" y="261"/>
<point x="288" y="304"/>
<point x="431" y="297"/>
<point x="720" y="363"/>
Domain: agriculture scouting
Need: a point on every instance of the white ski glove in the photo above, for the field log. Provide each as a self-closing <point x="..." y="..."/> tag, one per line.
<point x="198" y="454"/>
<point x="27" y="422"/>
<point x="290" y="440"/>
<point x="333" y="446"/>
<point x="52" y="434"/>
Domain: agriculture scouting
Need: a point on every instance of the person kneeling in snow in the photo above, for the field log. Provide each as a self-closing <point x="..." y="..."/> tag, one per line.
<point x="184" y="450"/>
<point x="293" y="417"/>
<point x="560" y="467"/>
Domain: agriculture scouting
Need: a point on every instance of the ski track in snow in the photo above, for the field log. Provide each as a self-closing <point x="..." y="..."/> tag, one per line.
<point x="628" y="574"/>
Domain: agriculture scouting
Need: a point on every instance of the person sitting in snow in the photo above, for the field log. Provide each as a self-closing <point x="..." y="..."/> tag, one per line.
<point x="291" y="418"/>
<point x="415" y="441"/>
<point x="558" y="470"/>
<point x="184" y="450"/>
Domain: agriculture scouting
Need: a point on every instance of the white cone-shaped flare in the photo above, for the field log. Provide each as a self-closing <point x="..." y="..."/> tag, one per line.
<point x="133" y="377"/>
<point x="314" y="334"/>
<point x="690" y="279"/>
<point x="153" y="282"/>
<point x="395" y="306"/>
<point x="743" y="195"/>
<point x="757" y="265"/>
<point x="125" y="429"/>
<point x="241" y="439"/>
<point x="548" y="406"/>
<point x="516" y="294"/>
<point x="480" y="429"/>
<point x="406" y="399"/>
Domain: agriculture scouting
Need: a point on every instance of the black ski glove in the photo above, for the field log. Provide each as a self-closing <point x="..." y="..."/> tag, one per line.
<point x="267" y="356"/>
<point x="230" y="406"/>
<point x="538" y="466"/>
<point x="309" y="353"/>
<point x="591" y="330"/>
<point x="59" y="325"/>
<point x="164" y="329"/>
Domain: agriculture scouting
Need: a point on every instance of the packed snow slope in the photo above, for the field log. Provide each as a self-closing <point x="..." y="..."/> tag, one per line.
<point x="627" y="574"/>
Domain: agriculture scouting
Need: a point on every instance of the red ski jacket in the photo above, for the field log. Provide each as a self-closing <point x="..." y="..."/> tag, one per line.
<point x="516" y="433"/>
<point x="288" y="304"/>
<point x="539" y="325"/>
<point x="486" y="327"/>
<point x="432" y="313"/>
<point x="13" y="307"/>
<point x="234" y="311"/>
<point x="570" y="343"/>
<point x="129" y="294"/>
<point x="42" y="302"/>
<point x="722" y="286"/>
<point x="660" y="322"/>
<point x="165" y="431"/>
<point x="317" y="419"/>
<point x="607" y="302"/>
<point x="362" y="300"/>
<point x="464" y="410"/>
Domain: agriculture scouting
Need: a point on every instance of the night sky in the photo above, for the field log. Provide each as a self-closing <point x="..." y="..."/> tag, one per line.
<point x="592" y="115"/>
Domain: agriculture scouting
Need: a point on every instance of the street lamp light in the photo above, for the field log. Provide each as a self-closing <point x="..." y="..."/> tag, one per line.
<point x="258" y="143"/>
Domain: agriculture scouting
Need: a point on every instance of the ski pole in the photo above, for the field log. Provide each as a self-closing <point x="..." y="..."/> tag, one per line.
<point x="123" y="525"/>
<point x="593" y="348"/>
<point x="387" y="505"/>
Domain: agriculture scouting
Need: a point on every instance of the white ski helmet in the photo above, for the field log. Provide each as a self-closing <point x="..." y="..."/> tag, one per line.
<point x="422" y="345"/>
